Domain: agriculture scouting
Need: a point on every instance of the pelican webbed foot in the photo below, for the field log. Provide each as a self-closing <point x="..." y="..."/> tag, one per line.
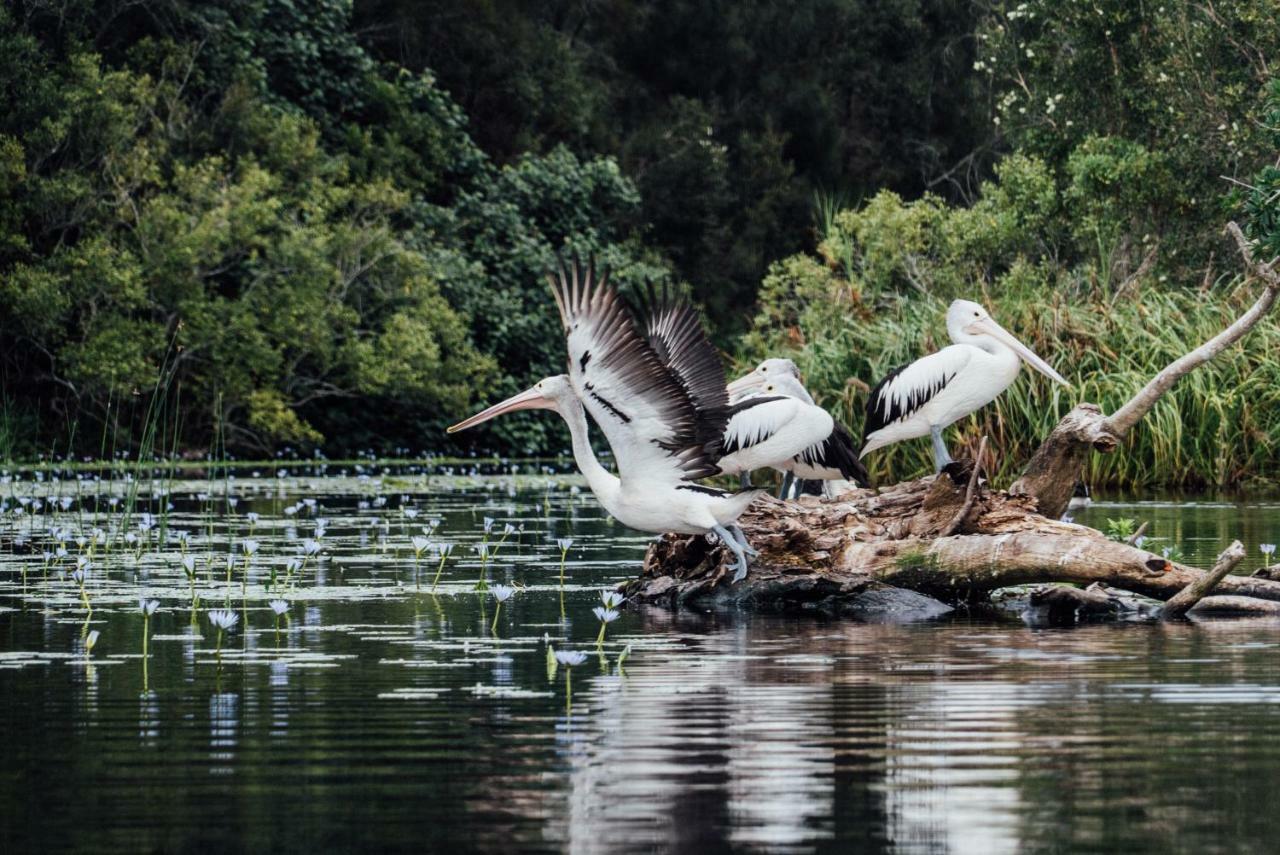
<point x="736" y="548"/>
<point x="741" y="536"/>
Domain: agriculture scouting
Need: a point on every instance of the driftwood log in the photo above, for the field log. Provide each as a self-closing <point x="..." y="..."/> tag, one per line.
<point x="949" y="539"/>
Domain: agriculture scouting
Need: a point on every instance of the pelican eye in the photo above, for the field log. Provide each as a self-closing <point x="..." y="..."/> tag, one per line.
<point x="977" y="314"/>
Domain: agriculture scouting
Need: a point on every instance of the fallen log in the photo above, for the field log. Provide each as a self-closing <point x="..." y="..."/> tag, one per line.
<point x="949" y="537"/>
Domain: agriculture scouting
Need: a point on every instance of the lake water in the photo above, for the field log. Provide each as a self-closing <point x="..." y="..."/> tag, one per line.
<point x="377" y="715"/>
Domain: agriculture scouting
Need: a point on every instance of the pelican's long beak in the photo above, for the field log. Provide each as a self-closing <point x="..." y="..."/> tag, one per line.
<point x="529" y="399"/>
<point x="988" y="326"/>
<point x="743" y="385"/>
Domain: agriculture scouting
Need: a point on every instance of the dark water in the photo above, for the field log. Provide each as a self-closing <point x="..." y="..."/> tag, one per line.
<point x="382" y="717"/>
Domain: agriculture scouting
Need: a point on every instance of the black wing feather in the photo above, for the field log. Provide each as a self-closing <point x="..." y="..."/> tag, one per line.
<point x="674" y="331"/>
<point x="879" y="416"/>
<point x="581" y="295"/>
<point x="838" y="452"/>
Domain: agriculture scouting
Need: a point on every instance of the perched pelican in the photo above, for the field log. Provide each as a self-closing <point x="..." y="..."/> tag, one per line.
<point x="832" y="455"/>
<point x="939" y="389"/>
<point x="659" y="397"/>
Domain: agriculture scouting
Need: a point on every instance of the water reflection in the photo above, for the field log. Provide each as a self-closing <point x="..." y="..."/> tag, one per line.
<point x="408" y="725"/>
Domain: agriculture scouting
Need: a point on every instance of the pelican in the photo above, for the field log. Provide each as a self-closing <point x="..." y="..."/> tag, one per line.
<point x="831" y="456"/>
<point x="937" y="390"/>
<point x="659" y="398"/>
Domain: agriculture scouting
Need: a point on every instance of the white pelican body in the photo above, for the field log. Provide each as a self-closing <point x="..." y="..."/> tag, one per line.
<point x="934" y="392"/>
<point x="659" y="399"/>
<point x="831" y="455"/>
<point x="770" y="431"/>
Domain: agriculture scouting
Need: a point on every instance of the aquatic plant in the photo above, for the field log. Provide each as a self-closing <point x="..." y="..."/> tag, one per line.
<point x="569" y="659"/>
<point x="280" y="608"/>
<point x="612" y="599"/>
<point x="444" y="550"/>
<point x="501" y="593"/>
<point x="605" y="616"/>
<point x="1121" y="529"/>
<point x="148" y="608"/>
<point x="224" y="620"/>
<point x="564" y="543"/>
<point x="1267" y="549"/>
<point x="420" y="545"/>
<point x="482" y="551"/>
<point x="90" y="641"/>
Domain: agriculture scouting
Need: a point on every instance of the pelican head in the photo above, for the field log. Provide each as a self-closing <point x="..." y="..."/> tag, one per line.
<point x="969" y="323"/>
<point x="763" y="373"/>
<point x="547" y="394"/>
<point x="783" y="384"/>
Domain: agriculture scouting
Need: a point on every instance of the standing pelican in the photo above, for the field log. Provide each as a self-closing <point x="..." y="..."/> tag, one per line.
<point x="832" y="455"/>
<point x="660" y="400"/>
<point x="939" y="389"/>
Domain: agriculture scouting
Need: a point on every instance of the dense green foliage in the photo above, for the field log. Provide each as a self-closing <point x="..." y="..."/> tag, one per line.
<point x="276" y="231"/>
<point x="1028" y="247"/>
<point x="298" y="223"/>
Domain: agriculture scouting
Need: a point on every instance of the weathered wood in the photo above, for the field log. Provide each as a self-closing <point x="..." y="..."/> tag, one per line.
<point x="1183" y="601"/>
<point x="969" y="493"/>
<point x="829" y="551"/>
<point x="1051" y="474"/>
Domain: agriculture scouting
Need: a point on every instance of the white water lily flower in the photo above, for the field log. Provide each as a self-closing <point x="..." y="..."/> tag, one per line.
<point x="90" y="640"/>
<point x="420" y="543"/>
<point x="570" y="658"/>
<point x="564" y="543"/>
<point x="279" y="606"/>
<point x="148" y="607"/>
<point x="250" y="547"/>
<point x="252" y="517"/>
<point x="444" y="549"/>
<point x="310" y="547"/>
<point x="410" y="512"/>
<point x="502" y="593"/>
<point x="1267" y="549"/>
<point x="508" y="529"/>
<point x="611" y="599"/>
<point x="605" y="615"/>
<point x="488" y="524"/>
<point x="189" y="563"/>
<point x="223" y="618"/>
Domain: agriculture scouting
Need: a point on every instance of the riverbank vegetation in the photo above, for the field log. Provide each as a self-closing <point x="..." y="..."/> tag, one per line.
<point x="308" y="224"/>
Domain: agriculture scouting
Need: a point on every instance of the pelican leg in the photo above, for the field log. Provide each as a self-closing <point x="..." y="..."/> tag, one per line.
<point x="733" y="546"/>
<point x="941" y="457"/>
<point x="744" y="480"/>
<point x="787" y="479"/>
<point x="799" y="488"/>
<point x="741" y="536"/>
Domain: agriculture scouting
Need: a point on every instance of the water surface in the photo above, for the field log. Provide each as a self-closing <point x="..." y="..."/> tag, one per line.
<point x="378" y="715"/>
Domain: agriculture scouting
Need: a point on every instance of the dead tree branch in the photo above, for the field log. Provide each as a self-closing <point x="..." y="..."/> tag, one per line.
<point x="1183" y="601"/>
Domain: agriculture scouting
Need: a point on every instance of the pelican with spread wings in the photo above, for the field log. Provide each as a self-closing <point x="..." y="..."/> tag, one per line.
<point x="657" y="391"/>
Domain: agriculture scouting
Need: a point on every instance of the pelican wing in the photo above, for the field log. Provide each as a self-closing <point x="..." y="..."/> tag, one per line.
<point x="837" y="452"/>
<point x="753" y="420"/>
<point x="647" y="414"/>
<point x="674" y="331"/>
<point x="905" y="390"/>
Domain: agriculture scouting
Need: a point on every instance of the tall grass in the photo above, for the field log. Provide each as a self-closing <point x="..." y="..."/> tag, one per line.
<point x="1220" y="426"/>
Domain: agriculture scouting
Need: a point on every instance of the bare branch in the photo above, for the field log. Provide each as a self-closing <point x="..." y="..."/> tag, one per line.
<point x="1140" y="404"/>
<point x="1180" y="603"/>
<point x="969" y="494"/>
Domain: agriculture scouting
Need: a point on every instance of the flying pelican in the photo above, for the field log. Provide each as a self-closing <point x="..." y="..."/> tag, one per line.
<point x="939" y="389"/>
<point x="832" y="456"/>
<point x="659" y="397"/>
